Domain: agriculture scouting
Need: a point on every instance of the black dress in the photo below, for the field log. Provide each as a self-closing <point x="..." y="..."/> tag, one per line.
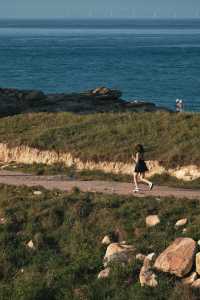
<point x="141" y="166"/>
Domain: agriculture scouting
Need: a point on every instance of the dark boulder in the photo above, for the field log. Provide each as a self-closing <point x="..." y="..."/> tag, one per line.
<point x="33" y="97"/>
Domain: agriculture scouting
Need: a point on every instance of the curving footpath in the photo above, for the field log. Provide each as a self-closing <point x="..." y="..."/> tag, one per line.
<point x="65" y="184"/>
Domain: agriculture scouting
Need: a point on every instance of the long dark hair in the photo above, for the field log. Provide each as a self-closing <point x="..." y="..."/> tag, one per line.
<point x="139" y="148"/>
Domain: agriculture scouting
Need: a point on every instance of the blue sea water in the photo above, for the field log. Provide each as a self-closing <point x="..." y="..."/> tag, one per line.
<point x="154" y="60"/>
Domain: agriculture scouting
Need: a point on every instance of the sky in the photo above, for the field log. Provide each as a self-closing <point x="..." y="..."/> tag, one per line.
<point x="99" y="8"/>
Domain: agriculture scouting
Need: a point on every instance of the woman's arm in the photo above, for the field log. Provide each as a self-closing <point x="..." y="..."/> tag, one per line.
<point x="136" y="157"/>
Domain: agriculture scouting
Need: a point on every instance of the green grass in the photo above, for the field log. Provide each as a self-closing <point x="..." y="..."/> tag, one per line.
<point x="67" y="230"/>
<point x="67" y="172"/>
<point x="171" y="181"/>
<point x="173" y="139"/>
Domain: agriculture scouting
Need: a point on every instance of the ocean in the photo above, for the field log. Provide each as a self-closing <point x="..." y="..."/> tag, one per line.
<point x="151" y="60"/>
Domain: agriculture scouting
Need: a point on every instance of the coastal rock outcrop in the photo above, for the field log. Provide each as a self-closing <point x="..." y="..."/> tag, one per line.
<point x="101" y="99"/>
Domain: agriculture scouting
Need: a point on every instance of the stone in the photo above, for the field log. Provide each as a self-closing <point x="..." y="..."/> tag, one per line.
<point x="152" y="220"/>
<point x="106" y="240"/>
<point x="30" y="244"/>
<point x="2" y="221"/>
<point x="197" y="261"/>
<point x="196" y="284"/>
<point x="123" y="242"/>
<point x="190" y="279"/>
<point x="158" y="199"/>
<point x="177" y="258"/>
<point x="37" y="193"/>
<point x="181" y="222"/>
<point x="140" y="257"/>
<point x="151" y="256"/>
<point x="104" y="273"/>
<point x="147" y="276"/>
<point x="118" y="252"/>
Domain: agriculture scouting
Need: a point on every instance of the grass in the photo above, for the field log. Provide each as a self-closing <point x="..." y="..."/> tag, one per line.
<point x="67" y="229"/>
<point x="69" y="172"/>
<point x="173" y="139"/>
<point x="172" y="181"/>
<point x="72" y="173"/>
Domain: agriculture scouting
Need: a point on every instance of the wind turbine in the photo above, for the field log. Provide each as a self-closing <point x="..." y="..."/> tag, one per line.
<point x="111" y="13"/>
<point x="155" y="14"/>
<point x="91" y="13"/>
<point x="197" y="15"/>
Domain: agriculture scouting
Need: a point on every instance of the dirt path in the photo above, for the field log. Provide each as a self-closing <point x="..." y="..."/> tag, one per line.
<point x="65" y="184"/>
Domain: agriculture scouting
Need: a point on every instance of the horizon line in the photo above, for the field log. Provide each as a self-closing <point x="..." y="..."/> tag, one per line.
<point x="99" y="18"/>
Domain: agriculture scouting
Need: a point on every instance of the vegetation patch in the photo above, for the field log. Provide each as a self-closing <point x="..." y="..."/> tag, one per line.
<point x="66" y="230"/>
<point x="173" y="139"/>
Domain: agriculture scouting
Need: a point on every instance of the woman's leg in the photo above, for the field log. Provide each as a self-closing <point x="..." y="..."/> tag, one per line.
<point x="142" y="178"/>
<point x="135" y="179"/>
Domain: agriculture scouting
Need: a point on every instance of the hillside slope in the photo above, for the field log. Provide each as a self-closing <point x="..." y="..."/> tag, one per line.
<point x="172" y="139"/>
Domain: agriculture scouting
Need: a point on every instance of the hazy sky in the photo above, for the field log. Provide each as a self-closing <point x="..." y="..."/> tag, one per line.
<point x="99" y="8"/>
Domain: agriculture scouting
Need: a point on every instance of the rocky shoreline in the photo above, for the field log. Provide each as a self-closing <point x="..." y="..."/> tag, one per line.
<point x="14" y="101"/>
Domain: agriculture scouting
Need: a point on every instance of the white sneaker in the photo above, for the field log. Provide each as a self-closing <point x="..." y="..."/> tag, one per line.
<point x="151" y="186"/>
<point x="136" y="190"/>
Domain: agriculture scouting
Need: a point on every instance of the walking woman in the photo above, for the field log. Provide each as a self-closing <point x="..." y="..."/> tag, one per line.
<point x="140" y="168"/>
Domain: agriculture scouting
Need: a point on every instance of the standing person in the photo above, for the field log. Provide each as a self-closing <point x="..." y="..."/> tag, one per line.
<point x="181" y="105"/>
<point x="177" y="105"/>
<point x="140" y="168"/>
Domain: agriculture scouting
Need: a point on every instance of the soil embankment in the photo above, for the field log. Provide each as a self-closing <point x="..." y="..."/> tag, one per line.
<point x="28" y="155"/>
